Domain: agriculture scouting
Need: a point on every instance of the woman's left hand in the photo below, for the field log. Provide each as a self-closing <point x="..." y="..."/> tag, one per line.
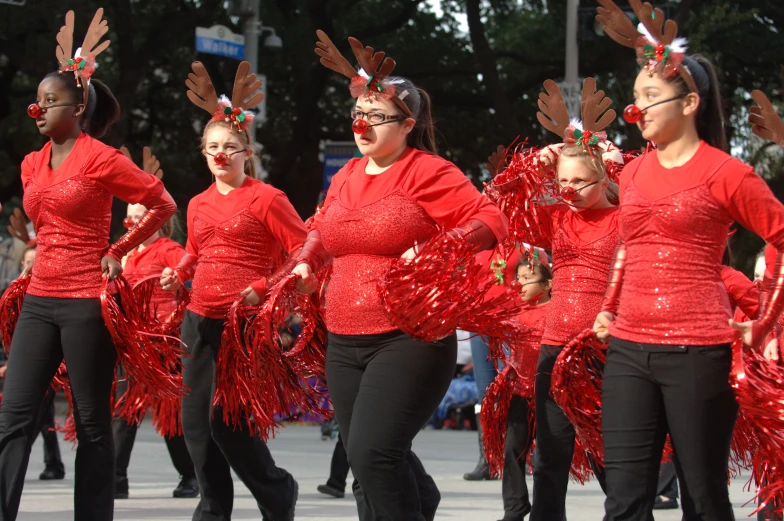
<point x="251" y="297"/>
<point x="110" y="267"/>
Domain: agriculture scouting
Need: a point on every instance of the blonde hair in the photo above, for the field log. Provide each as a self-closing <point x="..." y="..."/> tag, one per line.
<point x="250" y="161"/>
<point x="594" y="162"/>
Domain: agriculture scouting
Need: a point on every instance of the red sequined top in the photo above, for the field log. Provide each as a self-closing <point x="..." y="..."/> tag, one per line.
<point x="582" y="244"/>
<point x="368" y="221"/>
<point x="71" y="208"/>
<point x="674" y="223"/>
<point x="150" y="262"/>
<point x="525" y="357"/>
<point x="240" y="238"/>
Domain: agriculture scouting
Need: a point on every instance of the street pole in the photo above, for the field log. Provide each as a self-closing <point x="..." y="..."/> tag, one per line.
<point x="572" y="8"/>
<point x="252" y="31"/>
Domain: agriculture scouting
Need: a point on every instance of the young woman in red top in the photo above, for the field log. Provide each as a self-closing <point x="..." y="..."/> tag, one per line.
<point x="149" y="259"/>
<point x="239" y="231"/>
<point x="666" y="308"/>
<point x="580" y="227"/>
<point x="384" y="384"/>
<point x="68" y="189"/>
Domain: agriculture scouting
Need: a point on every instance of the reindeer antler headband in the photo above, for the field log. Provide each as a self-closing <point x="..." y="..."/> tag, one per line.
<point x="654" y="39"/>
<point x="82" y="62"/>
<point x="369" y="81"/>
<point x="244" y="96"/>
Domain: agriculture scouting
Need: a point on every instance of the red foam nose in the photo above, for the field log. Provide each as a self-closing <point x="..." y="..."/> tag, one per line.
<point x="34" y="110"/>
<point x="359" y="126"/>
<point x="632" y="114"/>
<point x="220" y="158"/>
<point x="128" y="223"/>
<point x="568" y="193"/>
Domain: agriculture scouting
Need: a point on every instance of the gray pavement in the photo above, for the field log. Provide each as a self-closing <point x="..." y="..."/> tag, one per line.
<point x="446" y="455"/>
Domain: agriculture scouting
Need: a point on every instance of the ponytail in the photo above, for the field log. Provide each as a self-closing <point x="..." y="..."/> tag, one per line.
<point x="423" y="135"/>
<point x="710" y="119"/>
<point x="102" y="110"/>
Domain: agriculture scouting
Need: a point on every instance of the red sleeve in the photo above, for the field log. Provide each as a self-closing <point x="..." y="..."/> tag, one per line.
<point x="448" y="196"/>
<point x="749" y="200"/>
<point x="190" y="244"/>
<point x="743" y="292"/>
<point x="172" y="254"/>
<point x="626" y="174"/>
<point x="28" y="167"/>
<point x="119" y="176"/>
<point x="332" y="192"/>
<point x="272" y="207"/>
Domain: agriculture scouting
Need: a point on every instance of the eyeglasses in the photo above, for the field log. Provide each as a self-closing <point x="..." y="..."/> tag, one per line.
<point x="375" y="117"/>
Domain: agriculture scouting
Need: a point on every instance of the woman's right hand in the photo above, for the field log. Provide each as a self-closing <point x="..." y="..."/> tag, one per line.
<point x="601" y="325"/>
<point x="307" y="282"/>
<point x="548" y="156"/>
<point x="170" y="281"/>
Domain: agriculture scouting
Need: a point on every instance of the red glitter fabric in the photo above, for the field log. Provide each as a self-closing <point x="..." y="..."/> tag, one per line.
<point x="674" y="223"/>
<point x="526" y="354"/>
<point x="368" y="221"/>
<point x="71" y="210"/>
<point x="151" y="261"/>
<point x="583" y="245"/>
<point x="239" y="238"/>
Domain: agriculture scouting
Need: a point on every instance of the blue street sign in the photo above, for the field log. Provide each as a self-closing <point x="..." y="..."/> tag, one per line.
<point x="336" y="155"/>
<point x="219" y="40"/>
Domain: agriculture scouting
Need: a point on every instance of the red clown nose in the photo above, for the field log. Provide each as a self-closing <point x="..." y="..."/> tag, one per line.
<point x="220" y="158"/>
<point x="632" y="114"/>
<point x="568" y="193"/>
<point x="359" y="126"/>
<point x="34" y="110"/>
<point x="128" y="223"/>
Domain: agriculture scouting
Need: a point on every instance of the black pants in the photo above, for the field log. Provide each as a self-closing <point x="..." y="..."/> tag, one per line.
<point x="513" y="487"/>
<point x="384" y="388"/>
<point x="651" y="390"/>
<point x="52" y="459"/>
<point x="555" y="439"/>
<point x="338" y="469"/>
<point x="215" y="447"/>
<point x="48" y="330"/>
<point x="668" y="481"/>
<point x="125" y="436"/>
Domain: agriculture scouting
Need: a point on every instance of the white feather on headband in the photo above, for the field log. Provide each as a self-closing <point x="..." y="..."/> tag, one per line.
<point x="677" y="45"/>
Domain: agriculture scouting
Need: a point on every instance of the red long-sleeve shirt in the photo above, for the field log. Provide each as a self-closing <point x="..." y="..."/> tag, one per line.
<point x="151" y="261"/>
<point x="239" y="239"/>
<point x="582" y="244"/>
<point x="368" y="221"/>
<point x="525" y="357"/>
<point x="674" y="223"/>
<point x="71" y="209"/>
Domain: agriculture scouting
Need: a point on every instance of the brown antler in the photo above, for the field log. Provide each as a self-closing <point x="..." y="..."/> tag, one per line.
<point x="98" y="27"/>
<point x="18" y="227"/>
<point x="150" y="163"/>
<point x="594" y="105"/>
<point x="553" y="114"/>
<point x="201" y="91"/>
<point x="616" y="24"/>
<point x="64" y="49"/>
<point x="765" y="122"/>
<point x="246" y="87"/>
<point x="373" y="63"/>
<point x="331" y="56"/>
<point x="653" y="19"/>
<point x="493" y="164"/>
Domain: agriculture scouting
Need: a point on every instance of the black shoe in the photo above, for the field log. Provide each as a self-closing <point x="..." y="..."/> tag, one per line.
<point x="121" y="488"/>
<point x="51" y="474"/>
<point x="331" y="491"/>
<point x="188" y="487"/>
<point x="665" y="503"/>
